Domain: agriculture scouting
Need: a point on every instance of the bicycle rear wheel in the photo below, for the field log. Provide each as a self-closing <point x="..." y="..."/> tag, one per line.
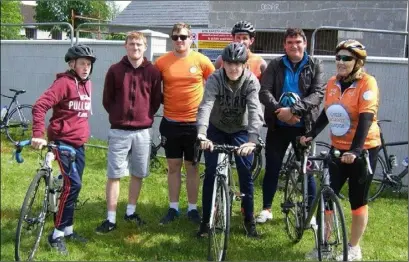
<point x="379" y="179"/>
<point x="32" y="218"/>
<point x="332" y="234"/>
<point x="19" y="123"/>
<point x="219" y="229"/>
<point x="293" y="205"/>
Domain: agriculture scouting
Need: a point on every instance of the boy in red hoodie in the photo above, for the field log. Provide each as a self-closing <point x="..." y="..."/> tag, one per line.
<point x="70" y="98"/>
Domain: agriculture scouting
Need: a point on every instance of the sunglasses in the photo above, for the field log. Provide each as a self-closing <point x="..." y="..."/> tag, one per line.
<point x="345" y="58"/>
<point x="181" y="37"/>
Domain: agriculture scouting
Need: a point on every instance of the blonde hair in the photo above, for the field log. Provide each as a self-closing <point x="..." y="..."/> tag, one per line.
<point x="135" y="35"/>
<point x="179" y="26"/>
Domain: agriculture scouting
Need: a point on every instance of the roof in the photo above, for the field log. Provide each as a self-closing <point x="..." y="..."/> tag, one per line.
<point x="164" y="13"/>
<point x="28" y="12"/>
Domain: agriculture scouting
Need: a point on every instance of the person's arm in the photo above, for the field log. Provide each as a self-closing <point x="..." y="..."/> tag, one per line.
<point x="267" y="85"/>
<point x="316" y="95"/>
<point x="156" y="94"/>
<point x="320" y="124"/>
<point x="263" y="66"/>
<point x="255" y="113"/>
<point x="218" y="62"/>
<point x="45" y="102"/>
<point x="109" y="90"/>
<point x="205" y="108"/>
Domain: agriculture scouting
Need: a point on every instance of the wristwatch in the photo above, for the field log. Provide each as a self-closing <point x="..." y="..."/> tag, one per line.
<point x="292" y="110"/>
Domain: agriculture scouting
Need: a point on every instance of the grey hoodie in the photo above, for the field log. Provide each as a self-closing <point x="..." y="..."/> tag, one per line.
<point x="231" y="109"/>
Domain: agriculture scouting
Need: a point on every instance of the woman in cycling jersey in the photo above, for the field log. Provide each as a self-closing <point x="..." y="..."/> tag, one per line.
<point x="351" y="107"/>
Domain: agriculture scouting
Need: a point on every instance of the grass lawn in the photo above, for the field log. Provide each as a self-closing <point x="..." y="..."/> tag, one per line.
<point x="386" y="238"/>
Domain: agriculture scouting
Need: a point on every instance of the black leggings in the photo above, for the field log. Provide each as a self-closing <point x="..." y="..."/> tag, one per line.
<point x="358" y="188"/>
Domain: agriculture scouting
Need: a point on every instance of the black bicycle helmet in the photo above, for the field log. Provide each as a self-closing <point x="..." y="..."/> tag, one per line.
<point x="78" y="51"/>
<point x="245" y="27"/>
<point x="235" y="53"/>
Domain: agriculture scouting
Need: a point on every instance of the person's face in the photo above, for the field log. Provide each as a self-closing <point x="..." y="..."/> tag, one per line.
<point x="82" y="66"/>
<point x="135" y="48"/>
<point x="243" y="38"/>
<point x="294" y="47"/>
<point x="233" y="70"/>
<point x="181" y="40"/>
<point x="345" y="62"/>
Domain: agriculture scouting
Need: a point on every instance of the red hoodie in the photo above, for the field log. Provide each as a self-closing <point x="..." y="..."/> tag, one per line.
<point x="71" y="104"/>
<point x="132" y="95"/>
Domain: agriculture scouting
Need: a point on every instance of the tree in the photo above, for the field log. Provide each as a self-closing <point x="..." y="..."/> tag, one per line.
<point x="60" y="11"/>
<point x="10" y="14"/>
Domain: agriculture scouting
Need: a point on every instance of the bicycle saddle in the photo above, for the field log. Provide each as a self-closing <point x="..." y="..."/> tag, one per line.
<point x="18" y="91"/>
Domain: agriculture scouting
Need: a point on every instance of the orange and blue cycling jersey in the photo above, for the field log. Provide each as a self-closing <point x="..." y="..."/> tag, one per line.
<point x="183" y="84"/>
<point x="343" y="109"/>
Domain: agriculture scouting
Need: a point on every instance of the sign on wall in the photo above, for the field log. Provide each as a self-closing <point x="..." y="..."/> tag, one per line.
<point x="210" y="42"/>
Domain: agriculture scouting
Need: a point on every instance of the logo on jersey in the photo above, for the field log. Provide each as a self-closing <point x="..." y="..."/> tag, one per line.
<point x="193" y="70"/>
<point x="339" y="120"/>
<point x="368" y="95"/>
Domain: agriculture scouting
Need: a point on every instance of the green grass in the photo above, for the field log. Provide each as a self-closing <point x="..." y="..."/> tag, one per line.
<point x="386" y="238"/>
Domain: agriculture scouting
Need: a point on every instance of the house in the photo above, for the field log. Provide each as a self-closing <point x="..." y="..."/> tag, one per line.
<point x="32" y="31"/>
<point x="271" y="17"/>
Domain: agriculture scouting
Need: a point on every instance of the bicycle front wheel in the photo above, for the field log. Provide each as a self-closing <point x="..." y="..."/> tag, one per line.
<point x="19" y="123"/>
<point x="332" y="234"/>
<point x="219" y="229"/>
<point x="32" y="218"/>
<point x="256" y="167"/>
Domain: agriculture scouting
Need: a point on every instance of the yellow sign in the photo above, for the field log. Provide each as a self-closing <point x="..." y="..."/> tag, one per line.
<point x="212" y="44"/>
<point x="193" y="45"/>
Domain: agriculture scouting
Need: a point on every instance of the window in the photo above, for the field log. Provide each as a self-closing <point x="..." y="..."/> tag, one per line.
<point x="31" y="33"/>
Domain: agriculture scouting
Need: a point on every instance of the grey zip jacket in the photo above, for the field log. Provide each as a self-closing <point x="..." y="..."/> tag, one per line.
<point x="231" y="109"/>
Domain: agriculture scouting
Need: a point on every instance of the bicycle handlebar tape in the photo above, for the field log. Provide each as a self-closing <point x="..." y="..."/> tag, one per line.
<point x="19" y="148"/>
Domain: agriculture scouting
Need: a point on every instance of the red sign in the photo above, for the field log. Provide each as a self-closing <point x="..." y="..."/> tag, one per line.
<point x="215" y="37"/>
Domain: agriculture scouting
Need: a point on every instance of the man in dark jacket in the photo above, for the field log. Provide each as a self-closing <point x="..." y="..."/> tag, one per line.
<point x="292" y="89"/>
<point x="132" y="95"/>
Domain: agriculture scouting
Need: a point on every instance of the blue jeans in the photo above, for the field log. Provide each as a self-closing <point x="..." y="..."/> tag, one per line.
<point x="243" y="165"/>
<point x="277" y="142"/>
<point x="71" y="188"/>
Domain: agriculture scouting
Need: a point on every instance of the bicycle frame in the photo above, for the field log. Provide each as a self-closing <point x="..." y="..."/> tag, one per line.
<point x="13" y="100"/>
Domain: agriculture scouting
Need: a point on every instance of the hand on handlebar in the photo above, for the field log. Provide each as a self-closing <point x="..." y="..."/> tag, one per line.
<point x="205" y="143"/>
<point x="38" y="143"/>
<point x="246" y="149"/>
<point x="304" y="140"/>
<point x="348" y="158"/>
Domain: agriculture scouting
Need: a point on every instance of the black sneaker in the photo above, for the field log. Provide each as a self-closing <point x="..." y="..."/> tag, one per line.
<point x="57" y="244"/>
<point x="105" y="227"/>
<point x="134" y="218"/>
<point x="250" y="227"/>
<point x="193" y="215"/>
<point x="170" y="216"/>
<point x="76" y="238"/>
<point x="203" y="230"/>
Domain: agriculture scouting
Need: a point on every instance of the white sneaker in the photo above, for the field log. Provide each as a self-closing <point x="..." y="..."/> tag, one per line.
<point x="313" y="223"/>
<point x="354" y="254"/>
<point x="264" y="216"/>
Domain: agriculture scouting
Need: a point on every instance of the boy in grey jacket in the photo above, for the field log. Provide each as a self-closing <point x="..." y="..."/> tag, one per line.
<point x="230" y="113"/>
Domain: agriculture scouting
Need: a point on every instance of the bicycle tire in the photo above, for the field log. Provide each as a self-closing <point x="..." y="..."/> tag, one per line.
<point x="293" y="206"/>
<point x="26" y="126"/>
<point x="39" y="221"/>
<point x="326" y="246"/>
<point x="378" y="182"/>
<point x="222" y="200"/>
<point x="256" y="167"/>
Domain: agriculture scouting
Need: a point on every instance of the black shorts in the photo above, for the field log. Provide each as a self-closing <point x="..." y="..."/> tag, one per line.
<point x="180" y="138"/>
<point x="358" y="188"/>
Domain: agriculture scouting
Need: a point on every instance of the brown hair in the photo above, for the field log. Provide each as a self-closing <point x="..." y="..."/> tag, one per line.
<point x="293" y="32"/>
<point x="135" y="35"/>
<point x="179" y="26"/>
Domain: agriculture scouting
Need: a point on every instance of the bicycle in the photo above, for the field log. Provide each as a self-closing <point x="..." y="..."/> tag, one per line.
<point x="17" y="117"/>
<point x="387" y="179"/>
<point x="41" y="200"/>
<point x="224" y="193"/>
<point x="331" y="238"/>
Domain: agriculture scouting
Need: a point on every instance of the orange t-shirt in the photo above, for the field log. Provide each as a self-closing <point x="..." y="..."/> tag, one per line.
<point x="183" y="82"/>
<point x="343" y="111"/>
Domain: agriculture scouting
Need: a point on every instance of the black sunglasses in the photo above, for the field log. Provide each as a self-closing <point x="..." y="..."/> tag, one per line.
<point x="176" y="37"/>
<point x="345" y="58"/>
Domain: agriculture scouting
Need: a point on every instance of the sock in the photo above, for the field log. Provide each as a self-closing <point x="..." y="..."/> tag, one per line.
<point x="130" y="209"/>
<point x="174" y="205"/>
<point x="68" y="230"/>
<point x="191" y="207"/>
<point x="112" y="216"/>
<point x="57" y="233"/>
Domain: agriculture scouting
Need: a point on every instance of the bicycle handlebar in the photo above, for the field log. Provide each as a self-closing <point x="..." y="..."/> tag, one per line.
<point x="20" y="145"/>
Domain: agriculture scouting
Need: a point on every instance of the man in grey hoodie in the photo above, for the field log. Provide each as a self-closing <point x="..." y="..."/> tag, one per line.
<point x="230" y="113"/>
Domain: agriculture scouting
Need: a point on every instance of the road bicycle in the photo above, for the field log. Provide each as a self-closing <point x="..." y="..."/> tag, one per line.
<point x="331" y="239"/>
<point x="40" y="201"/>
<point x="16" y="119"/>
<point x="224" y="193"/>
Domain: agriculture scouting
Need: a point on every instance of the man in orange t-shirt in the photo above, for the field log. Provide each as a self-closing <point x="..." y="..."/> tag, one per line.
<point x="183" y="72"/>
<point x="244" y="32"/>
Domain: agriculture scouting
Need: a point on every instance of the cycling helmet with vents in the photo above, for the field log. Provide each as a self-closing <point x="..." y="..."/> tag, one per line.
<point x="78" y="51"/>
<point x="235" y="53"/>
<point x="243" y="27"/>
<point x="354" y="47"/>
